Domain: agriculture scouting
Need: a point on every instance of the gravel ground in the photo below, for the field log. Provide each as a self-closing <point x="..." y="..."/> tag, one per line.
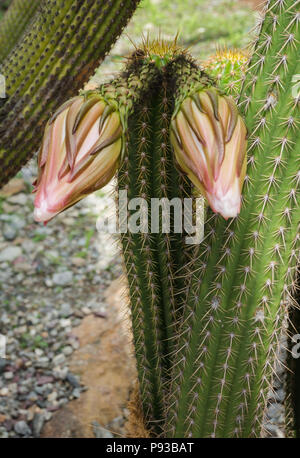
<point x="50" y="278"/>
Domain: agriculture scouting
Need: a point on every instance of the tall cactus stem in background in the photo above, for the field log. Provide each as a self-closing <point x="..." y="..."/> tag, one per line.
<point x="234" y="311"/>
<point x="228" y="68"/>
<point x="61" y="49"/>
<point x="13" y="25"/>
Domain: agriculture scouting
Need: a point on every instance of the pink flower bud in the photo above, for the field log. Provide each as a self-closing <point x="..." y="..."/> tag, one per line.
<point x="209" y="140"/>
<point x="79" y="154"/>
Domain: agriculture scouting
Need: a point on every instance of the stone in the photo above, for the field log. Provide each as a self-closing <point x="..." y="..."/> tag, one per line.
<point x="10" y="253"/>
<point x="22" y="428"/>
<point x="73" y="380"/>
<point x="14" y="186"/>
<point x="9" y="232"/>
<point x="64" y="323"/>
<point x="8" y="375"/>
<point x="3" y="364"/>
<point x="38" y="423"/>
<point x="4" y="391"/>
<point x="32" y="396"/>
<point x="58" y="360"/>
<point x="100" y="432"/>
<point x="18" y="199"/>
<point x="68" y="350"/>
<point x="76" y="393"/>
<point x="65" y="310"/>
<point x="52" y="396"/>
<point x="63" y="278"/>
<point x="78" y="262"/>
<point x="42" y="362"/>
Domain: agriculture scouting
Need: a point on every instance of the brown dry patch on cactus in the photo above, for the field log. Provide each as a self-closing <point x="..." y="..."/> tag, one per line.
<point x="135" y="426"/>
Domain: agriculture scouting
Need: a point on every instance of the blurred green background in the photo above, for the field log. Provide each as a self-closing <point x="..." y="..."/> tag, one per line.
<point x="203" y="26"/>
<point x="3" y="6"/>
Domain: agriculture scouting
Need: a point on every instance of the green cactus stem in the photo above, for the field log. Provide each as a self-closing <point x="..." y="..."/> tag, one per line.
<point x="14" y="23"/>
<point x="155" y="262"/>
<point x="57" y="54"/>
<point x="229" y="335"/>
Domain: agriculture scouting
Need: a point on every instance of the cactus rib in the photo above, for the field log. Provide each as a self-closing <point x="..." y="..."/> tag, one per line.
<point x="14" y="23"/>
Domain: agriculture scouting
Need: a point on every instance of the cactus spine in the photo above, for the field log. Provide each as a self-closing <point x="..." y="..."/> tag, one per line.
<point x="65" y="43"/>
<point x="14" y="23"/>
<point x="235" y="306"/>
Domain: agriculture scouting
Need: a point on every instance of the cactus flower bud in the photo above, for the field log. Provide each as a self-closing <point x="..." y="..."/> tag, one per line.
<point x="79" y="154"/>
<point x="209" y="139"/>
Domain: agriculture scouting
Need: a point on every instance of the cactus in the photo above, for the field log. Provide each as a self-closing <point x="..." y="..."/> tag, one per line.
<point x="157" y="264"/>
<point x="235" y="306"/>
<point x="14" y="23"/>
<point x="228" y="68"/>
<point x="151" y="260"/>
<point x="60" y="50"/>
<point x="206" y="322"/>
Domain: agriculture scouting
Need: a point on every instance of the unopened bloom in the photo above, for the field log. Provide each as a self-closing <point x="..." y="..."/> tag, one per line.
<point x="209" y="140"/>
<point x="79" y="154"/>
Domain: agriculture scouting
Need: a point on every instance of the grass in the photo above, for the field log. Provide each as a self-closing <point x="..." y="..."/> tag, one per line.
<point x="203" y="27"/>
<point x="202" y="24"/>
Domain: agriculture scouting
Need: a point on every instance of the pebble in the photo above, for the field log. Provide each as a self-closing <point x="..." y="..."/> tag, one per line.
<point x="10" y="253"/>
<point x="66" y="310"/>
<point x="63" y="278"/>
<point x="8" y="375"/>
<point x="68" y="350"/>
<point x="9" y="232"/>
<point x="38" y="423"/>
<point x="73" y="380"/>
<point x="3" y="364"/>
<point x="19" y="199"/>
<point x="22" y="428"/>
<point x="59" y="360"/>
<point x="100" y="432"/>
<point x="4" y="391"/>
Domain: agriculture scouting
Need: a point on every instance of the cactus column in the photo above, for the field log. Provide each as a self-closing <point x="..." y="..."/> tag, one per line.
<point x="14" y="23"/>
<point x="155" y="258"/>
<point x="57" y="54"/>
<point x="235" y="307"/>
